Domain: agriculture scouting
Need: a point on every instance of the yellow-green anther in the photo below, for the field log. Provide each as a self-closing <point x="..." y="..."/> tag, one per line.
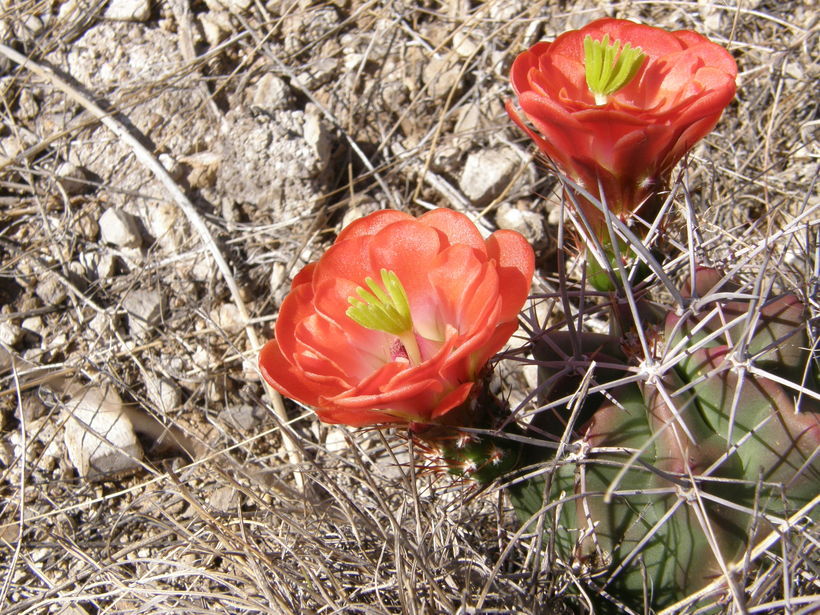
<point x="607" y="70"/>
<point x="386" y="308"/>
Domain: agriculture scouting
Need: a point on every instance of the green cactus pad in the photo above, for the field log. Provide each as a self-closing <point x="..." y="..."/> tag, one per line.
<point x="666" y="480"/>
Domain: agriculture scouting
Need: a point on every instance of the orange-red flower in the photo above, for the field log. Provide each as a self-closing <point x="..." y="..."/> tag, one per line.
<point x="398" y="318"/>
<point x="604" y="112"/>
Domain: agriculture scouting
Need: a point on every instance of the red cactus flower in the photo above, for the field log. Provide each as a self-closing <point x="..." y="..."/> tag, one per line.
<point x="396" y="321"/>
<point x="621" y="116"/>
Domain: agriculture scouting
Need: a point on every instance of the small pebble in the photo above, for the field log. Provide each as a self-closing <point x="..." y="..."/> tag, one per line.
<point x="120" y="229"/>
<point x="128" y="10"/>
<point x="144" y="309"/>
<point x="486" y="173"/>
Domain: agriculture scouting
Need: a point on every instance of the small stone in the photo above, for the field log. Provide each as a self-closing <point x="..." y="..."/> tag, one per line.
<point x="440" y="77"/>
<point x="72" y="178"/>
<point x="33" y="24"/>
<point x="50" y="289"/>
<point x="100" y="324"/>
<point x="228" y="318"/>
<point x="10" y="147"/>
<point x="33" y="324"/>
<point x="128" y="10"/>
<point x="144" y="309"/>
<point x="446" y="159"/>
<point x="99" y="435"/>
<point x="165" y="223"/>
<point x="120" y="229"/>
<point x="243" y="418"/>
<point x="28" y="107"/>
<point x="318" y="73"/>
<point x="469" y="119"/>
<point x="203" y="268"/>
<point x="107" y="266"/>
<point x="317" y="136"/>
<point x="165" y="395"/>
<point x="215" y="26"/>
<point x="487" y="173"/>
<point x="236" y="6"/>
<point x="464" y="44"/>
<point x="224" y="499"/>
<point x="529" y="223"/>
<point x="270" y="93"/>
<point x="336" y="440"/>
<point x="57" y="343"/>
<point x="10" y="333"/>
<point x="87" y="226"/>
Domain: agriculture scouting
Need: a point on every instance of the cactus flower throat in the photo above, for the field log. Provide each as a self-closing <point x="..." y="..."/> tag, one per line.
<point x="387" y="310"/>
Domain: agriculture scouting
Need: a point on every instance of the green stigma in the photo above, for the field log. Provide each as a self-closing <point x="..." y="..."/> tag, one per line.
<point x="386" y="308"/>
<point x="608" y="71"/>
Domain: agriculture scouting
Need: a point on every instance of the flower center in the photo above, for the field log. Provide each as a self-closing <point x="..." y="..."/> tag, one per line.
<point x="607" y="71"/>
<point x="386" y="308"/>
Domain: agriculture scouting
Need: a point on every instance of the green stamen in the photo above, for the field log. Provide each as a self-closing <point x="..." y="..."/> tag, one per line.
<point x="386" y="309"/>
<point x="607" y="71"/>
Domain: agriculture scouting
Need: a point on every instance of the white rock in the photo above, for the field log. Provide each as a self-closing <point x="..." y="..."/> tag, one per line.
<point x="318" y="73"/>
<point x="10" y="333"/>
<point x="529" y="223"/>
<point x="128" y="10"/>
<point x="203" y="268"/>
<point x="215" y="26"/>
<point x="223" y="499"/>
<point x="144" y="309"/>
<point x="101" y="324"/>
<point x="56" y="343"/>
<point x="361" y="208"/>
<point x="6" y="453"/>
<point x="244" y="418"/>
<point x="440" y="76"/>
<point x="316" y="135"/>
<point x="107" y="266"/>
<point x="487" y="173"/>
<point x="269" y="93"/>
<point x="336" y="440"/>
<point x="228" y="318"/>
<point x="464" y="44"/>
<point x="99" y="435"/>
<point x="164" y="393"/>
<point x="33" y="324"/>
<point x="27" y="104"/>
<point x="165" y="224"/>
<point x="237" y="6"/>
<point x="120" y="229"/>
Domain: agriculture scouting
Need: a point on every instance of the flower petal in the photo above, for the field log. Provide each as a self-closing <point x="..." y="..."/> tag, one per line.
<point x="515" y="266"/>
<point x="372" y="224"/>
<point x="288" y="379"/>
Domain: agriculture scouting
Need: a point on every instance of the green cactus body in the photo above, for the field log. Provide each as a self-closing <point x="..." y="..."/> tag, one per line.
<point x="700" y="461"/>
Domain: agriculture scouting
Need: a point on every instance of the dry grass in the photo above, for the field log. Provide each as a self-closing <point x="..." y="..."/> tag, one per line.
<point x="280" y="514"/>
